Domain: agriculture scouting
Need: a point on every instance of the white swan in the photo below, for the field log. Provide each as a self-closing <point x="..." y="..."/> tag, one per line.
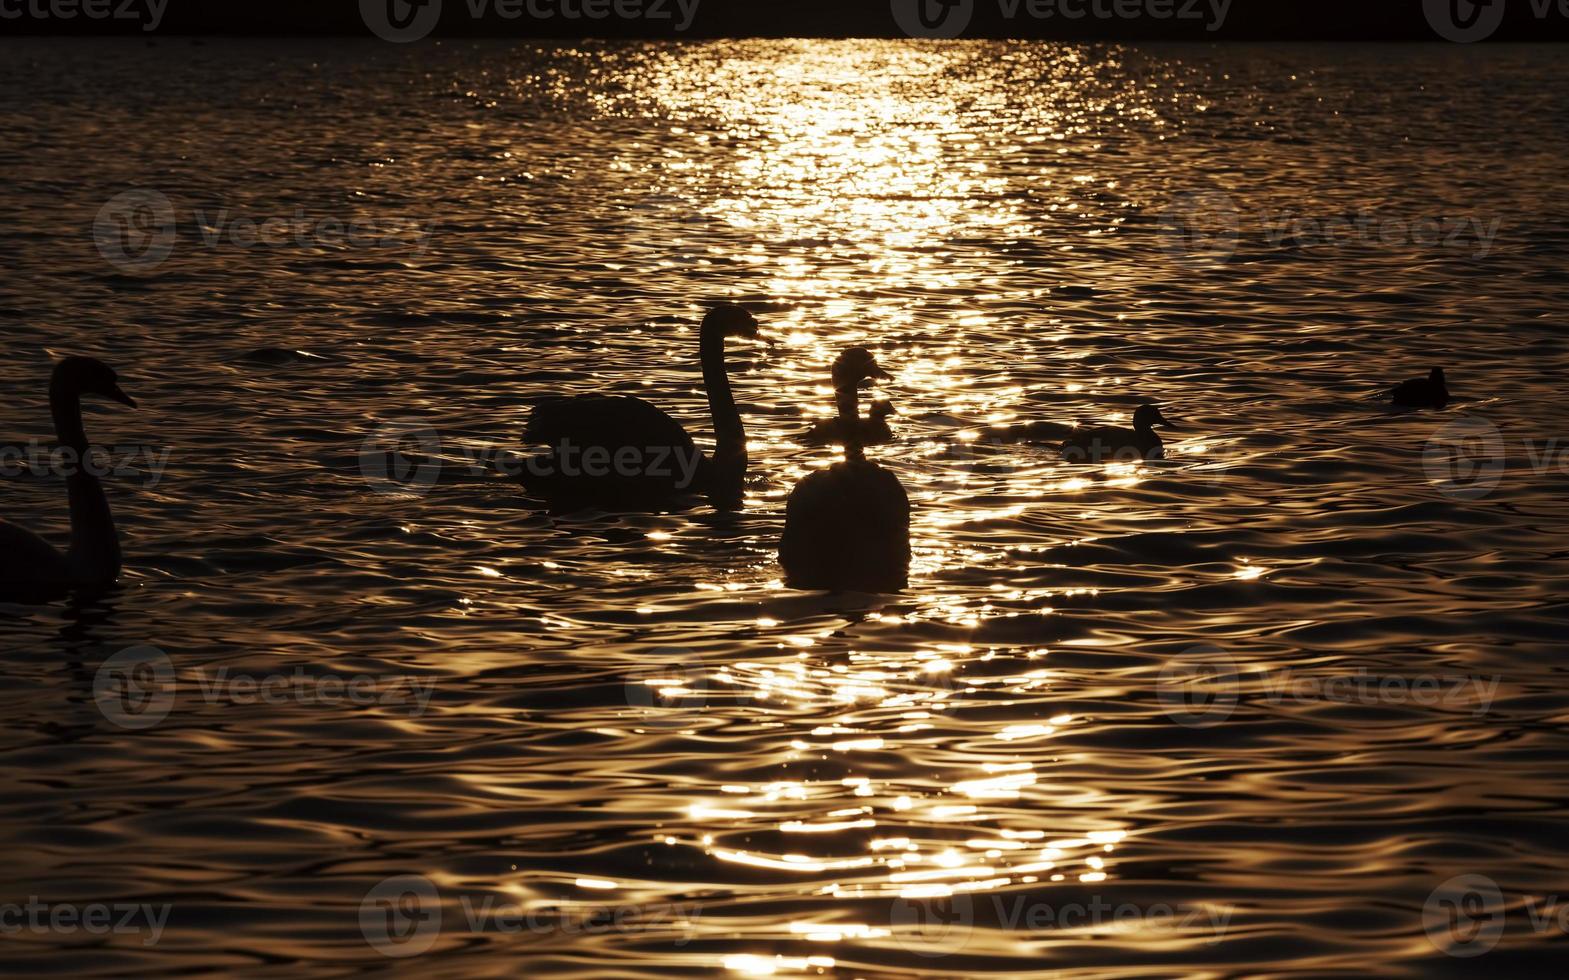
<point x="28" y="563"/>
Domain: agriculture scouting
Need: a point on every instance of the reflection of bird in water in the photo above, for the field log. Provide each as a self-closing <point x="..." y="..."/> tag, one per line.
<point x="28" y="563"/>
<point x="622" y="453"/>
<point x="873" y="431"/>
<point x="848" y="527"/>
<point x="1428" y="392"/>
<point x="1094" y="443"/>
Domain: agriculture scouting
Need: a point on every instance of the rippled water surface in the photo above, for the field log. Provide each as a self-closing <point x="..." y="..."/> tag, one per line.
<point x="1279" y="685"/>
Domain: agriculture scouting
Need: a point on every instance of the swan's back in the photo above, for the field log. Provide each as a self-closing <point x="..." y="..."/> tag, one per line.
<point x="603" y="420"/>
<point x="847" y="528"/>
<point x="664" y="465"/>
<point x="29" y="560"/>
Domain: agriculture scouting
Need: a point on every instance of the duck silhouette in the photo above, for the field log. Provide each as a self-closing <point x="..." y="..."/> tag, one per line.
<point x="1428" y="392"/>
<point x="1088" y="443"/>
<point x="872" y="431"/>
<point x="622" y="453"/>
<point x="847" y="528"/>
<point x="1117" y="444"/>
<point x="28" y="563"/>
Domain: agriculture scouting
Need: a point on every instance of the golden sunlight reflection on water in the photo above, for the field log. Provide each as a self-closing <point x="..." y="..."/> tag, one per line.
<point x="1087" y="693"/>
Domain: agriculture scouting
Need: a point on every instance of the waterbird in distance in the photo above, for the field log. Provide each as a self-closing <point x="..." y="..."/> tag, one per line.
<point x="1428" y="392"/>
<point x="1088" y="443"/>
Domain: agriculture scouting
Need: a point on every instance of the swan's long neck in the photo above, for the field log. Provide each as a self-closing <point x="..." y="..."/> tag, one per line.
<point x="848" y="398"/>
<point x="727" y="473"/>
<point x="95" y="547"/>
<point x="729" y="436"/>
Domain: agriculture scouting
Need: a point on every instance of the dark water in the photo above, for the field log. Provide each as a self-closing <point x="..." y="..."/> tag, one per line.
<point x="1253" y="703"/>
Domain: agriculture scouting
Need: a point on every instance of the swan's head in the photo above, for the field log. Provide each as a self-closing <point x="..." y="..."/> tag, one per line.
<point x="729" y="320"/>
<point x="1148" y="416"/>
<point x="89" y="376"/>
<point x="1436" y="376"/>
<point x="881" y="409"/>
<point x="854" y="368"/>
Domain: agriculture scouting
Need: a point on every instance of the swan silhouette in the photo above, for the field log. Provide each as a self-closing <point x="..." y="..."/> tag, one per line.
<point x="621" y="453"/>
<point x="873" y="431"/>
<point x="1086" y="443"/>
<point x="1428" y="392"/>
<point x="28" y="563"/>
<point x="847" y="528"/>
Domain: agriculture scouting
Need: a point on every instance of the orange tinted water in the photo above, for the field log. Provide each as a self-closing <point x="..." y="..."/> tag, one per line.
<point x="1238" y="711"/>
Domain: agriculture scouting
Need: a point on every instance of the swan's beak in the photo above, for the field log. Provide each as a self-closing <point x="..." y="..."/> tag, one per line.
<point x="878" y="374"/>
<point x="120" y="396"/>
